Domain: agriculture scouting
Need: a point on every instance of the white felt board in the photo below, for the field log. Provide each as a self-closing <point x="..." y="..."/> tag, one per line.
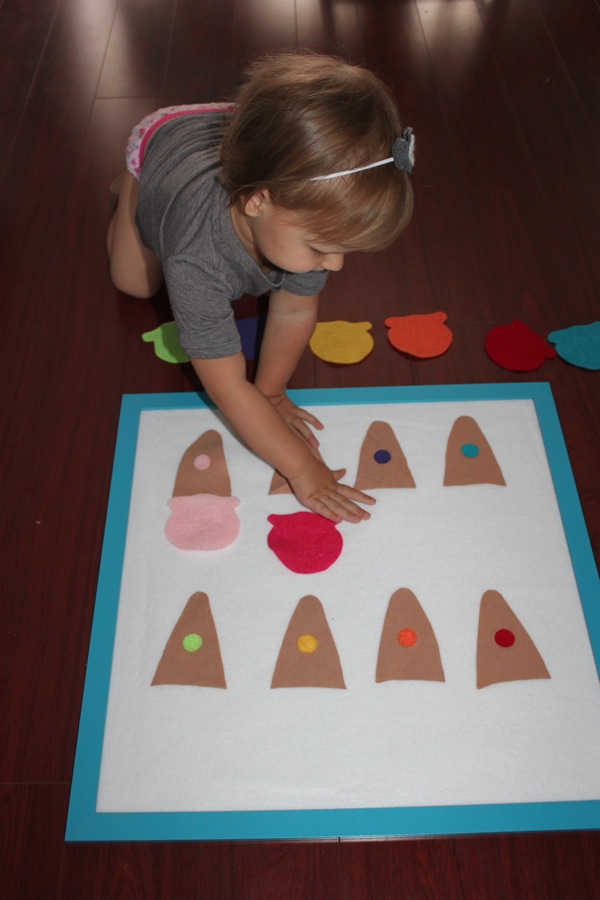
<point x="398" y="744"/>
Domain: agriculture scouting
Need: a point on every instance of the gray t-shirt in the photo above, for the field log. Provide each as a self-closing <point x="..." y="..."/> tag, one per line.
<point x="183" y="217"/>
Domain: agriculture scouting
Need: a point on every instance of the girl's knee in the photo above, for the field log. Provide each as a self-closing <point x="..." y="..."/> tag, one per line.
<point x="142" y="280"/>
<point x="134" y="269"/>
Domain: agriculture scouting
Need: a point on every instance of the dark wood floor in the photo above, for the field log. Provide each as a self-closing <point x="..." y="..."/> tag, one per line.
<point x="504" y="97"/>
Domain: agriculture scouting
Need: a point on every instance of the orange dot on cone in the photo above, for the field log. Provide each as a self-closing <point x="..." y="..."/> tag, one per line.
<point x="407" y="637"/>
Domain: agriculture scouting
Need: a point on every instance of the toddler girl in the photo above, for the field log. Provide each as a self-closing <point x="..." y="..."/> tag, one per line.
<point x="266" y="194"/>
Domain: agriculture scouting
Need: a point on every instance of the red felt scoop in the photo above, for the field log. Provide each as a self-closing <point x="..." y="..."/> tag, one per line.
<point x="517" y="348"/>
<point x="304" y="542"/>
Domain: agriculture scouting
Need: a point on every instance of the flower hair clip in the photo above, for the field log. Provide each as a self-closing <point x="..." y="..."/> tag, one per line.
<point x="403" y="157"/>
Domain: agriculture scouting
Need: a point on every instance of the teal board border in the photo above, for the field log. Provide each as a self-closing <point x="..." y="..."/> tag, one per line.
<point x="85" y="824"/>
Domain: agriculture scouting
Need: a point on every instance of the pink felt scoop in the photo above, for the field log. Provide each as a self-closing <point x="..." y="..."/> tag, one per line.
<point x="202" y="522"/>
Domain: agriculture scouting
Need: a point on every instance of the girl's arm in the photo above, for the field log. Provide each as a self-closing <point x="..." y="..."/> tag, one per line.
<point x="290" y="324"/>
<point x="259" y="424"/>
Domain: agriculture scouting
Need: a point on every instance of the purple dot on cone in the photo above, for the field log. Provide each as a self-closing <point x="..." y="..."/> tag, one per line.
<point x="382" y="456"/>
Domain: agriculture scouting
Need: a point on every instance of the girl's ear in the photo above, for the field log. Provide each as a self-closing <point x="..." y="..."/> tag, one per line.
<point x="257" y="203"/>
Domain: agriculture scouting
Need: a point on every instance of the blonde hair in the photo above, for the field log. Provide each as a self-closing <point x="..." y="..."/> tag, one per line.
<point x="300" y="115"/>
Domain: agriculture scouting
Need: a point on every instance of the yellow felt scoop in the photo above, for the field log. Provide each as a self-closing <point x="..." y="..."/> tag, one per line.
<point x="341" y="342"/>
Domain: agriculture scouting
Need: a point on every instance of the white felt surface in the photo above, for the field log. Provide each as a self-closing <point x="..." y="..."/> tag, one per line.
<point x="180" y="748"/>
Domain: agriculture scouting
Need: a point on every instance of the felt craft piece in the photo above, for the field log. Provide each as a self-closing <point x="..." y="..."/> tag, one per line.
<point x="423" y="336"/>
<point x="382" y="464"/>
<point x="579" y="345"/>
<point x="192" y="654"/>
<point x="203" y="515"/>
<point x="203" y="469"/>
<point x="280" y="485"/>
<point x="517" y="348"/>
<point x="505" y="651"/>
<point x="308" y="656"/>
<point x="251" y="331"/>
<point x="341" y="342"/>
<point x="202" y="522"/>
<point x="304" y="542"/>
<point x="195" y="763"/>
<point x="409" y="649"/>
<point x="166" y="343"/>
<point x="469" y="457"/>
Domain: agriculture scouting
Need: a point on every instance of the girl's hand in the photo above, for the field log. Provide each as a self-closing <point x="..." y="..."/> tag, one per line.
<point x="297" y="419"/>
<point x="318" y="488"/>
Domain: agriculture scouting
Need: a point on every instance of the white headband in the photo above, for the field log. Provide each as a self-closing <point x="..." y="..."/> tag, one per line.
<point x="403" y="156"/>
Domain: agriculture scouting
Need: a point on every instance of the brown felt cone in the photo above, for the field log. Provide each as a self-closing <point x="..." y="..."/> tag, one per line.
<point x="194" y="476"/>
<point x="192" y="654"/>
<point x="308" y="655"/>
<point x="505" y="652"/>
<point x="408" y="650"/>
<point x="469" y="457"/>
<point x="382" y="463"/>
<point x="280" y="485"/>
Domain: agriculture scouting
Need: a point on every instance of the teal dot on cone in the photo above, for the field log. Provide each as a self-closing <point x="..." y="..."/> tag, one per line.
<point x="470" y="450"/>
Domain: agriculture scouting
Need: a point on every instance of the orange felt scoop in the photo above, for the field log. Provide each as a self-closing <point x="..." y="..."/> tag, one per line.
<point x="423" y="336"/>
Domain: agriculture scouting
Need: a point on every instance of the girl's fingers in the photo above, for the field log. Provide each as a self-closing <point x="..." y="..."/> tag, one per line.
<point x="350" y="492"/>
<point x="308" y="417"/>
<point x="338" y="473"/>
<point x="337" y="506"/>
<point x="305" y="432"/>
<point x="354" y="494"/>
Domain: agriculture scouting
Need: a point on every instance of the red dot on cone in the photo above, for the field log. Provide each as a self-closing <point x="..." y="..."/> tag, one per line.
<point x="504" y="637"/>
